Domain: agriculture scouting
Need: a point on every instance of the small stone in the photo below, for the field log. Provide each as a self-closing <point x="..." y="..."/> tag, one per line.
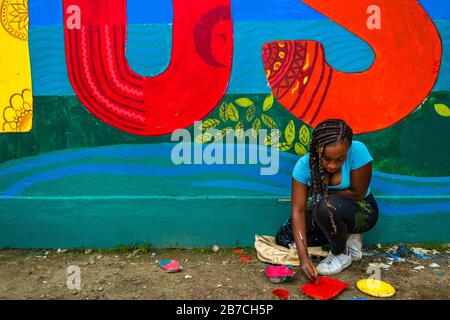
<point x="61" y="251"/>
<point x="419" y="268"/>
<point x="216" y="248"/>
<point x="219" y="285"/>
<point x="92" y="261"/>
<point x="100" y="289"/>
<point x="157" y="261"/>
<point x="47" y="253"/>
<point x="434" y="266"/>
<point x="89" y="251"/>
<point x="144" y="287"/>
<point x="135" y="252"/>
<point x="44" y="281"/>
<point x="99" y="257"/>
<point x="379" y="246"/>
<point x="188" y="277"/>
<point x="153" y="254"/>
<point x="225" y="262"/>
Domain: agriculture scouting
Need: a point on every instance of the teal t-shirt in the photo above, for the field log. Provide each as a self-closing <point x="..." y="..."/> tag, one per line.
<point x="358" y="156"/>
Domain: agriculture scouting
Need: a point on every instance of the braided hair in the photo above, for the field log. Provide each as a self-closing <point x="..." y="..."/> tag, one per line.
<point x="327" y="133"/>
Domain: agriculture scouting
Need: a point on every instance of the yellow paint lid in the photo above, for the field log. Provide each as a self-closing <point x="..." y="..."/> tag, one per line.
<point x="375" y="288"/>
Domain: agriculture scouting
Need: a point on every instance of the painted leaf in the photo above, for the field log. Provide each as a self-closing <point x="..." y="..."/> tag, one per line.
<point x="239" y="130"/>
<point x="284" y="146"/>
<point x="289" y="132"/>
<point x="222" y="133"/>
<point x="250" y="113"/>
<point x="223" y="112"/>
<point x="209" y="124"/>
<point x="232" y="113"/>
<point x="269" y="122"/>
<point x="442" y="110"/>
<point x="244" y="102"/>
<point x="300" y="149"/>
<point x="203" y="137"/>
<point x="304" y="135"/>
<point x="272" y="139"/>
<point x="256" y="126"/>
<point x="268" y="103"/>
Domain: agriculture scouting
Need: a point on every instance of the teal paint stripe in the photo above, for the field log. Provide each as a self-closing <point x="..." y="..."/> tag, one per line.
<point x="149" y="197"/>
<point x="163" y="197"/>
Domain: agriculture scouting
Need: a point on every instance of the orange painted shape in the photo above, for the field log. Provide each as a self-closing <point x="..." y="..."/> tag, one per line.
<point x="408" y="52"/>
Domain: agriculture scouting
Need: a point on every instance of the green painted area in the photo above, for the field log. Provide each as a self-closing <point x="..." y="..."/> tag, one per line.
<point x="412" y="147"/>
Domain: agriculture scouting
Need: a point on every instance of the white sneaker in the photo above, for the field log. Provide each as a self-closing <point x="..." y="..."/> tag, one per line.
<point x="354" y="246"/>
<point x="334" y="264"/>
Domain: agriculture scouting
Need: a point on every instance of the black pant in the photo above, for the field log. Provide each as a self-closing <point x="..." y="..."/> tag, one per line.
<point x="350" y="216"/>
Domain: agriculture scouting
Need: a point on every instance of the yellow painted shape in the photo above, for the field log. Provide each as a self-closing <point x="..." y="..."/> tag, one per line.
<point x="16" y="99"/>
<point x="276" y="66"/>
<point x="297" y="85"/>
<point x="442" y="110"/>
<point x="375" y="288"/>
<point x="305" y="80"/>
<point x="306" y="63"/>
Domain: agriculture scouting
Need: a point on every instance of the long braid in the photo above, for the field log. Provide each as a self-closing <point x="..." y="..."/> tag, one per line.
<point x="326" y="133"/>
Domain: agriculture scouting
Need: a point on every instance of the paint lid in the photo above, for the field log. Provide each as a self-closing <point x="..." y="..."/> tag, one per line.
<point x="375" y="288"/>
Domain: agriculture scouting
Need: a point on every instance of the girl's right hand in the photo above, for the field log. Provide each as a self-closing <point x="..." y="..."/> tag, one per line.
<point x="308" y="268"/>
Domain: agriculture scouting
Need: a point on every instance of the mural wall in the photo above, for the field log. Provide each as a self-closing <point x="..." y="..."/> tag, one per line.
<point x="85" y="143"/>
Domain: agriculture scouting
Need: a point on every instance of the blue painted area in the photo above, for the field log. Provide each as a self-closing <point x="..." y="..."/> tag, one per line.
<point x="182" y="170"/>
<point x="149" y="47"/>
<point x="413" y="209"/>
<point x="49" y="12"/>
<point x="400" y="188"/>
<point x="138" y="151"/>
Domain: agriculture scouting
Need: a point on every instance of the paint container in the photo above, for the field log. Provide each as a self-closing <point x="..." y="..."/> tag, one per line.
<point x="281" y="294"/>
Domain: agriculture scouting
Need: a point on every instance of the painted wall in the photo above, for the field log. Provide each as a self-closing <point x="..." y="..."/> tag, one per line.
<point x="90" y="92"/>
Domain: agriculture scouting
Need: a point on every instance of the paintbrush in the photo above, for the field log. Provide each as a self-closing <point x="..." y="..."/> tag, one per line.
<point x="316" y="273"/>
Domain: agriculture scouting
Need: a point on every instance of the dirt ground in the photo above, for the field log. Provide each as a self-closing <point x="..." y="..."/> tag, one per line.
<point x="26" y="274"/>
